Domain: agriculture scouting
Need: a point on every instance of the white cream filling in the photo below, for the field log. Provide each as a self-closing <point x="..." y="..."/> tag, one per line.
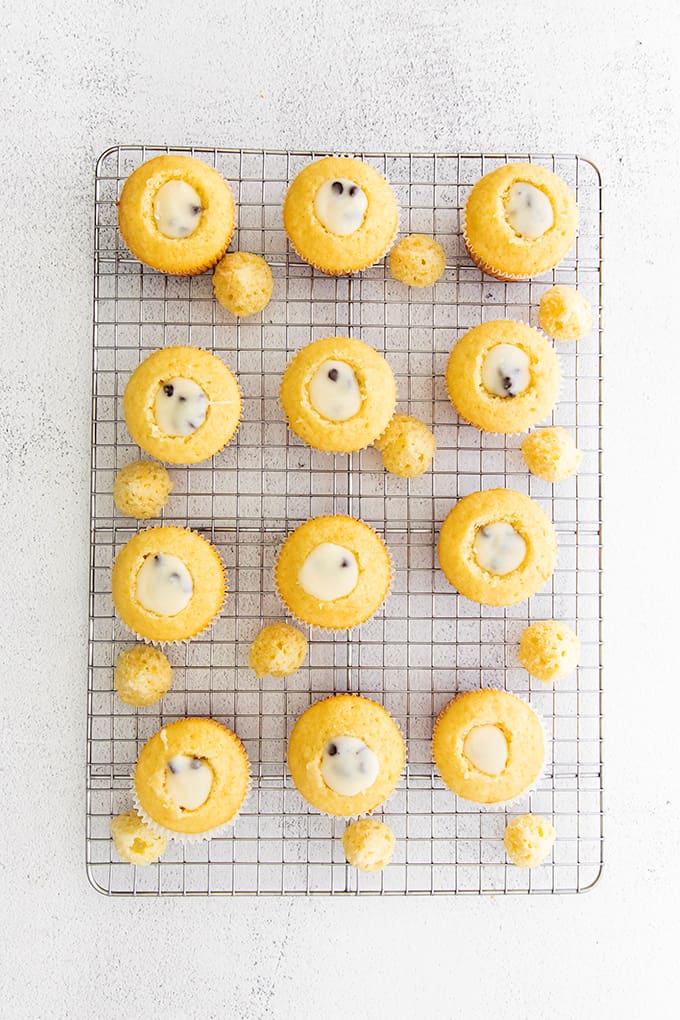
<point x="164" y="585"/>
<point x="499" y="548"/>
<point x="330" y="572"/>
<point x="188" y="781"/>
<point x="181" y="407"/>
<point x="487" y="749"/>
<point x="349" y="766"/>
<point x="505" y="371"/>
<point x="340" y="206"/>
<point x="177" y="209"/>
<point x="334" y="391"/>
<point x="528" y="210"/>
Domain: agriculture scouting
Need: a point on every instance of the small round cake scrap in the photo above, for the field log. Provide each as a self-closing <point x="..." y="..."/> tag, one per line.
<point x="488" y="746"/>
<point x="191" y="778"/>
<point x="549" y="650"/>
<point x="243" y="283"/>
<point x="182" y="405"/>
<point x="417" y="261"/>
<point x="407" y="446"/>
<point x="368" y="844"/>
<point x="278" y="650"/>
<point x="497" y="547"/>
<point x="141" y="489"/>
<point x="528" y="840"/>
<point x="338" y="394"/>
<point x="142" y="675"/>
<point x="346" y="754"/>
<point x="520" y="220"/>
<point x="551" y="454"/>
<point x="340" y="215"/>
<point x="168" y="584"/>
<point x="176" y="214"/>
<point x="333" y="572"/>
<point x="503" y="376"/>
<point x="564" y="313"/>
<point x="135" y="841"/>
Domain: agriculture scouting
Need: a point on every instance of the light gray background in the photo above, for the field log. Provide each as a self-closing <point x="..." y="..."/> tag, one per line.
<point x="596" y="78"/>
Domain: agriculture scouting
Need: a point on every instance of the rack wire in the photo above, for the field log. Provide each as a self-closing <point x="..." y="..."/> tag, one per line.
<point x="428" y="643"/>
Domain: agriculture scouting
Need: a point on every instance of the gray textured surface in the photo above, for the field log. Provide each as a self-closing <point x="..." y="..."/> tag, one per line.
<point x="78" y="77"/>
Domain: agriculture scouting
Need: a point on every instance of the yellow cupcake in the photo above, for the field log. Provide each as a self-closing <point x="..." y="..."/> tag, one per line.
<point x="407" y="446"/>
<point x="528" y="840"/>
<point x="176" y="214"/>
<point x="182" y="405"/>
<point x="497" y="547"/>
<point x="488" y="746"/>
<point x="142" y="675"/>
<point x="135" y="841"/>
<point x="141" y="489"/>
<point x="549" y="650"/>
<point x="417" y="261"/>
<point x="243" y="283"/>
<point x="503" y="376"/>
<point x="278" y="650"/>
<point x="340" y="215"/>
<point x="338" y="394"/>
<point x="168" y="584"/>
<point x="346" y="755"/>
<point x="564" y="313"/>
<point x="520" y="220"/>
<point x="368" y="844"/>
<point x="551" y="454"/>
<point x="333" y="572"/>
<point x="191" y="778"/>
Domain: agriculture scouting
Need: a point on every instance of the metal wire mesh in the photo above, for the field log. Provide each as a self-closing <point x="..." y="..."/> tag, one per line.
<point x="428" y="642"/>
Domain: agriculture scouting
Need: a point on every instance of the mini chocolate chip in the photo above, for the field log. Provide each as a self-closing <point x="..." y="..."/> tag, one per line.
<point x="171" y="767"/>
<point x="168" y="390"/>
<point x="192" y="426"/>
<point x="337" y="187"/>
<point x="333" y="374"/>
<point x="182" y="400"/>
<point x="157" y="558"/>
<point x="507" y="383"/>
<point x="332" y="749"/>
<point x="353" y="191"/>
<point x="196" y="209"/>
<point x="344" y="563"/>
<point x="485" y="532"/>
<point x="174" y="576"/>
<point x="195" y="763"/>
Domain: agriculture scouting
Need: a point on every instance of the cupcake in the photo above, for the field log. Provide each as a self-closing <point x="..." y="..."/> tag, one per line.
<point x="278" y="650"/>
<point x="182" y="405"/>
<point x="528" y="840"/>
<point x="503" y="377"/>
<point x="488" y="746"/>
<point x="406" y="446"/>
<point x="368" y="844"/>
<point x="346" y="755"/>
<point x="340" y="215"/>
<point x="333" y="572"/>
<point x="168" y="584"/>
<point x="243" y="283"/>
<point x="176" y="214"/>
<point x="142" y="675"/>
<point x="551" y="454"/>
<point x="191" y="778"/>
<point x="520" y="220"/>
<point x="135" y="841"/>
<point x="497" y="547"/>
<point x="564" y="313"/>
<point x="141" y="489"/>
<point x="417" y="261"/>
<point x="549" y="650"/>
<point x="338" y="394"/>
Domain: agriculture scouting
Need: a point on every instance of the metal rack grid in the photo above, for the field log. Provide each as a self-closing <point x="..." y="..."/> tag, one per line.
<point x="428" y="642"/>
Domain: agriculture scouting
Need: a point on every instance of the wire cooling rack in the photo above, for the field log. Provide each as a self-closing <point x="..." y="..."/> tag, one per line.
<point x="428" y="643"/>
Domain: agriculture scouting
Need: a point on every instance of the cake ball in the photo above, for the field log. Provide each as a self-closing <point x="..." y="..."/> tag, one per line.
<point x="135" y="841"/>
<point x="407" y="446"/>
<point x="564" y="313"/>
<point x="549" y="650"/>
<point x="528" y="840"/>
<point x="278" y="650"/>
<point x="141" y="489"/>
<point x="243" y="283"/>
<point x="551" y="454"/>
<point x="142" y="675"/>
<point x="417" y="260"/>
<point x="368" y="844"/>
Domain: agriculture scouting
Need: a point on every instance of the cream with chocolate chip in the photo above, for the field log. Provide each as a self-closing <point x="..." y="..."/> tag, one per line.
<point x="164" y="585"/>
<point x="181" y="407"/>
<point x="188" y="781"/>
<point x="506" y="370"/>
<point x="334" y="391"/>
<point x="177" y="208"/>
<point x="340" y="205"/>
<point x="499" y="548"/>
<point x="528" y="210"/>
<point x="329" y="572"/>
<point x="349" y="766"/>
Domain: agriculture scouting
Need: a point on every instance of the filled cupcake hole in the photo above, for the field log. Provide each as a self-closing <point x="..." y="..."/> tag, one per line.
<point x="340" y="206"/>
<point x="349" y="766"/>
<point x="188" y="781"/>
<point x="329" y="572"/>
<point x="505" y="371"/>
<point x="486" y="747"/>
<point x="181" y="407"/>
<point x="177" y="209"/>
<point x="334" y="391"/>
<point x="164" y="585"/>
<point x="528" y="210"/>
<point x="498" y="548"/>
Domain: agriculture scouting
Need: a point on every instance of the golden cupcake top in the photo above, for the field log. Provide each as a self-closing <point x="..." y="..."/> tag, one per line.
<point x="503" y="376"/>
<point x="549" y="650"/>
<point x="417" y="261"/>
<point x="520" y="220"/>
<point x="368" y="844"/>
<point x="488" y="746"/>
<point x="564" y="313"/>
<point x="278" y="650"/>
<point x="346" y="755"/>
<point x="551" y="454"/>
<point x="142" y="675"/>
<point x="168" y="584"/>
<point x="243" y="283"/>
<point x="176" y="214"/>
<point x="340" y="215"/>
<point x="407" y="446"/>
<point x="182" y="405"/>
<point x="497" y="547"/>
<point x="333" y="572"/>
<point x="528" y="840"/>
<point x="191" y="778"/>
<point x="141" y="489"/>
